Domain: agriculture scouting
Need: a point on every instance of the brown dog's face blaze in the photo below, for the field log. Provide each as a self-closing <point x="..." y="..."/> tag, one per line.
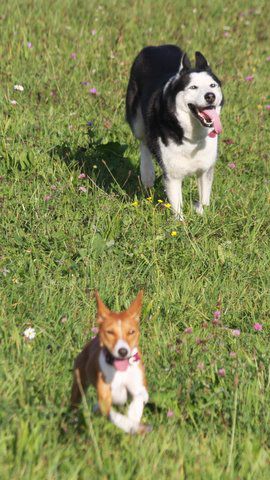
<point x="119" y="331"/>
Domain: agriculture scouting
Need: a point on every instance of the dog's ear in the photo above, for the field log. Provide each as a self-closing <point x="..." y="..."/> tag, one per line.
<point x="134" y="311"/>
<point x="185" y="64"/>
<point x="102" y="311"/>
<point x="200" y="62"/>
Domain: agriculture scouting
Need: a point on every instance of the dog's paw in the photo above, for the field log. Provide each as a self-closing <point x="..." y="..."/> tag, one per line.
<point x="140" y="429"/>
<point x="144" y="428"/>
<point x="198" y="208"/>
<point x="179" y="217"/>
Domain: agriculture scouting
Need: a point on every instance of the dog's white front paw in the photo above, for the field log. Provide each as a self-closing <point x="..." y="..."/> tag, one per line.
<point x="198" y="208"/>
<point x="179" y="216"/>
<point x="140" y="429"/>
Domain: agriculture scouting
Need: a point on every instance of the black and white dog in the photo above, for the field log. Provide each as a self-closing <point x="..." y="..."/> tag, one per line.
<point x="173" y="109"/>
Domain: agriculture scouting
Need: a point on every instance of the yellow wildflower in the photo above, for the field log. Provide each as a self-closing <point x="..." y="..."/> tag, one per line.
<point x="173" y="233"/>
<point x="160" y="201"/>
<point x="135" y="204"/>
<point x="167" y="205"/>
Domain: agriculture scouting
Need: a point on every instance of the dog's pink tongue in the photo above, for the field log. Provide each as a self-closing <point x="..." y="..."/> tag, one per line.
<point x="121" y="365"/>
<point x="213" y="115"/>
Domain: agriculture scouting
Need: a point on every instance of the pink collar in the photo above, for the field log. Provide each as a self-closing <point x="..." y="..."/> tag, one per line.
<point x="134" y="358"/>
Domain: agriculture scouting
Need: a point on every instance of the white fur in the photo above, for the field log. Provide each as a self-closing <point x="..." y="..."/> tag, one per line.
<point x="123" y="383"/>
<point x="120" y="344"/>
<point x="205" y="83"/>
<point x="198" y="152"/>
<point x="188" y="159"/>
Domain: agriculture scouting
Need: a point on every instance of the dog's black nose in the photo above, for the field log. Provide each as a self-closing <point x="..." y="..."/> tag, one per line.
<point x="122" y="352"/>
<point x="210" y="97"/>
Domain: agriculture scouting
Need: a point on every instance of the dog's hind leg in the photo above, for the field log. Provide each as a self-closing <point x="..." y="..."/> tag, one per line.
<point x="147" y="167"/>
<point x="205" y="181"/>
<point x="173" y="188"/>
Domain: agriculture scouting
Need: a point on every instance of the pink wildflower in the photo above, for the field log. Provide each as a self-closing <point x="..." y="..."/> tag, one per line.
<point x="93" y="91"/>
<point x="73" y="55"/>
<point x="47" y="198"/>
<point x="249" y="78"/>
<point x="200" y="366"/>
<point x="228" y="141"/>
<point x="268" y="59"/>
<point x="29" y="45"/>
<point x="82" y="189"/>
<point x="94" y="330"/>
<point x="221" y="372"/>
<point x="170" y="413"/>
<point x="267" y="107"/>
<point x="236" y="332"/>
<point x="188" y="330"/>
<point x="217" y="314"/>
<point x="82" y="175"/>
<point x="53" y="187"/>
<point x="232" y="165"/>
<point x="232" y="354"/>
<point x="93" y="32"/>
<point x="258" y="327"/>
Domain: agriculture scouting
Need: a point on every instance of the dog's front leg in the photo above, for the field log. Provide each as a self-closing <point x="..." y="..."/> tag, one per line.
<point x="131" y="423"/>
<point x="122" y="422"/>
<point x="104" y="395"/>
<point x="105" y="407"/>
<point x="135" y="411"/>
<point x="205" y="181"/>
<point x="173" y="188"/>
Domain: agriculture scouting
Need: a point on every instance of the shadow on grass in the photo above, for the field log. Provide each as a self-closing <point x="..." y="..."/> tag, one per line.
<point x="105" y="164"/>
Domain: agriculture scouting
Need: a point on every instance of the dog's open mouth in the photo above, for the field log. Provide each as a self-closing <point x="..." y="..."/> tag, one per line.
<point x="121" y="364"/>
<point x="208" y="117"/>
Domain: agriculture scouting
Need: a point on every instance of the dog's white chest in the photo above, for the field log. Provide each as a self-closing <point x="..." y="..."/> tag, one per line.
<point x="129" y="381"/>
<point x="188" y="158"/>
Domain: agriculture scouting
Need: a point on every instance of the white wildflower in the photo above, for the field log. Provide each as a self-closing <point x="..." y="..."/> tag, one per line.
<point x="18" y="88"/>
<point x="29" y="333"/>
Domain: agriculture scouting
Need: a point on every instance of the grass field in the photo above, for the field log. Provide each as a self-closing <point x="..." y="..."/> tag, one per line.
<point x="62" y="236"/>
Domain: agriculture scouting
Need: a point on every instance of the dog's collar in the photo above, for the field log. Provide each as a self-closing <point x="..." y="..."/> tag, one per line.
<point x="109" y="358"/>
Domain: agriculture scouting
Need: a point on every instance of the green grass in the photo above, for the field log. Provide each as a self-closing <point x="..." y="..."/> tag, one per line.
<point x="55" y="252"/>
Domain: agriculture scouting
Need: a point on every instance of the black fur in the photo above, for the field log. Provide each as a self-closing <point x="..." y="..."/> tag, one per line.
<point x="151" y="70"/>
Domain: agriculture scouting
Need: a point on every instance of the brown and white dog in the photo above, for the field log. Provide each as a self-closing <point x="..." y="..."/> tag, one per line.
<point x="112" y="363"/>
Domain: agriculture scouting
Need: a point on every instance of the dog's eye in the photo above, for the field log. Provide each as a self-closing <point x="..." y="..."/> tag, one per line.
<point x="131" y="332"/>
<point x="110" y="332"/>
<point x="213" y="85"/>
<point x="193" y="87"/>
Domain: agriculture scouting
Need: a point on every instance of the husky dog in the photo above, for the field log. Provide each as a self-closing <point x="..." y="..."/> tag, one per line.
<point x="173" y="109"/>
